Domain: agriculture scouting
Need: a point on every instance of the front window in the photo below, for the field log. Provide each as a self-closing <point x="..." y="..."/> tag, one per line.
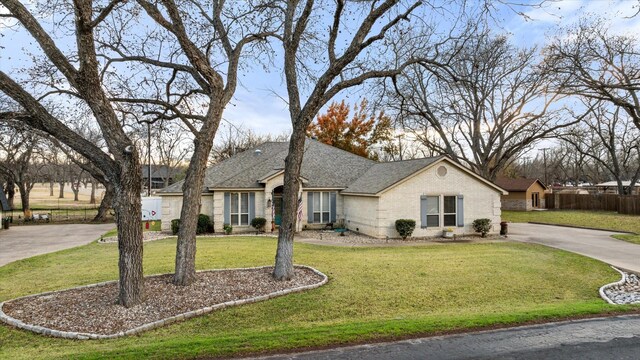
<point x="449" y="211"/>
<point x="321" y="207"/>
<point x="239" y="208"/>
<point x="433" y="211"/>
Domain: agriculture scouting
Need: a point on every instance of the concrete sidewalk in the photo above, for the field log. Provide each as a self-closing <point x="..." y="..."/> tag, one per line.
<point x="20" y="242"/>
<point x="592" y="243"/>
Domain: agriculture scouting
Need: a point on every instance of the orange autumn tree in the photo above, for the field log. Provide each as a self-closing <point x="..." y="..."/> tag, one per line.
<point x="357" y="135"/>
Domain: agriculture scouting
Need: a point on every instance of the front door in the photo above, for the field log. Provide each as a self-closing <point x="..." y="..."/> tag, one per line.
<point x="277" y="205"/>
<point x="535" y="200"/>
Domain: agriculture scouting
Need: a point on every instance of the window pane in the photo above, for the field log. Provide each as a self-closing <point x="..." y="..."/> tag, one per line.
<point x="433" y="205"/>
<point x="449" y="204"/>
<point x="325" y="201"/>
<point x="244" y="204"/>
<point x="316" y="217"/>
<point x="244" y="219"/>
<point x="316" y="202"/>
<point x="433" y="220"/>
<point x="234" y="219"/>
<point x="234" y="203"/>
<point x="325" y="217"/>
<point x="449" y="220"/>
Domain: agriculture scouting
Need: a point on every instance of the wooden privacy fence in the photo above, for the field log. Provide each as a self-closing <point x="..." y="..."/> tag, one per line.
<point x="627" y="204"/>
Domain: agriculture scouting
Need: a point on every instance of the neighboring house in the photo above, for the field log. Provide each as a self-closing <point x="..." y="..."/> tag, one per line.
<point x="611" y="187"/>
<point x="4" y="207"/>
<point x="159" y="174"/>
<point x="338" y="186"/>
<point x="524" y="194"/>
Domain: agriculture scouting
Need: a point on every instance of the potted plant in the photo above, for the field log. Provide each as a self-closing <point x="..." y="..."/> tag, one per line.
<point x="447" y="232"/>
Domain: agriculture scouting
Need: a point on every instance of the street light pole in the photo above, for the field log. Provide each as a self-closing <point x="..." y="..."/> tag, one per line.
<point x="148" y="122"/>
<point x="544" y="157"/>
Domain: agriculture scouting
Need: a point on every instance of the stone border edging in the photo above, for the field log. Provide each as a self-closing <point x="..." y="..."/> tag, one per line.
<point x="582" y="227"/>
<point x="606" y="286"/>
<point x="158" y="323"/>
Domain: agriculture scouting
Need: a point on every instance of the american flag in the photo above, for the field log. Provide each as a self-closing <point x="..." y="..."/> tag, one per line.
<point x="300" y="209"/>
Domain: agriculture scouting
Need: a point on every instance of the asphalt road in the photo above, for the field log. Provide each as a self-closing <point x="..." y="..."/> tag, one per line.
<point x="592" y="243"/>
<point x="20" y="242"/>
<point x="603" y="338"/>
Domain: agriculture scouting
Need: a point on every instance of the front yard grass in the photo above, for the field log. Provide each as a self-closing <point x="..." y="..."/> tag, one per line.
<point x="373" y="294"/>
<point x="606" y="220"/>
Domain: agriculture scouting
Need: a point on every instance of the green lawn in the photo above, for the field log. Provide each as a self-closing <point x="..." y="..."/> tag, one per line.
<point x="153" y="226"/>
<point x="594" y="219"/>
<point x="373" y="294"/>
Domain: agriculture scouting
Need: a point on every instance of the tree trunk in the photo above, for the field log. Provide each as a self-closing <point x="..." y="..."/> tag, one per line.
<point x="129" y="222"/>
<point x="105" y="205"/>
<point x="191" y="201"/>
<point x="92" y="198"/>
<point x="51" y="188"/>
<point x="61" y="194"/>
<point x="76" y="190"/>
<point x="11" y="192"/>
<point x="284" y="254"/>
<point x="24" y="198"/>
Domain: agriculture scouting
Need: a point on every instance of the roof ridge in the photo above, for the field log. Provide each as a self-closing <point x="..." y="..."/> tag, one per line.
<point x="343" y="150"/>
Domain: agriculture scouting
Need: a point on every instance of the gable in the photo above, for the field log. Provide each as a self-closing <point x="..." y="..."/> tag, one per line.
<point x="387" y="176"/>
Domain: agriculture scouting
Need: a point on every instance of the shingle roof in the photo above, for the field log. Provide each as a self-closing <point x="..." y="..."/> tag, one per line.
<point x="382" y="175"/>
<point x="324" y="166"/>
<point x="517" y="184"/>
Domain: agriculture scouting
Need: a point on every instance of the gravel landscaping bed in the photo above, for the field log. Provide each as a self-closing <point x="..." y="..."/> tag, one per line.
<point x="355" y="238"/>
<point x="91" y="310"/>
<point x="626" y="291"/>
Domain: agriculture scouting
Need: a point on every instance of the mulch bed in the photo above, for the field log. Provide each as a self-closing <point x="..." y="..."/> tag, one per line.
<point x="93" y="309"/>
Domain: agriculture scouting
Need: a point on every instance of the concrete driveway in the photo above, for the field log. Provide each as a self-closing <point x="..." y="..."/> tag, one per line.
<point x="20" y="242"/>
<point x="592" y="243"/>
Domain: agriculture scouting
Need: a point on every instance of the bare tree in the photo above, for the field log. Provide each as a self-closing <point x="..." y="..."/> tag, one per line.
<point x="18" y="151"/>
<point x="172" y="149"/>
<point x="489" y="105"/>
<point x="591" y="62"/>
<point x="191" y="62"/>
<point x="352" y="52"/>
<point x="608" y="137"/>
<point x="238" y="139"/>
<point x="76" y="76"/>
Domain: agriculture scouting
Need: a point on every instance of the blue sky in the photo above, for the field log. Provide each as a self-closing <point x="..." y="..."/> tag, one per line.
<point x="258" y="103"/>
<point x="259" y="109"/>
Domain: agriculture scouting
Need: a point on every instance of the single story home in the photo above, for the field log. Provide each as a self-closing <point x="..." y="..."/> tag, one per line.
<point x="611" y="187"/>
<point x="341" y="187"/>
<point x="524" y="194"/>
<point x="161" y="176"/>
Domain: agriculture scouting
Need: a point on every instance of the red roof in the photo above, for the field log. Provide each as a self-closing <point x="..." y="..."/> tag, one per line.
<point x="517" y="184"/>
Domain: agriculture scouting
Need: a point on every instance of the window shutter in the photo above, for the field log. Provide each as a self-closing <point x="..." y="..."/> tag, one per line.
<point x="227" y="208"/>
<point x="460" y="208"/>
<point x="332" y="197"/>
<point x="310" y="208"/>
<point x="252" y="206"/>
<point x="423" y="211"/>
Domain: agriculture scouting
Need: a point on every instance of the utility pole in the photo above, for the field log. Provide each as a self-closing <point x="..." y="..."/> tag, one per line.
<point x="544" y="157"/>
<point x="148" y="122"/>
